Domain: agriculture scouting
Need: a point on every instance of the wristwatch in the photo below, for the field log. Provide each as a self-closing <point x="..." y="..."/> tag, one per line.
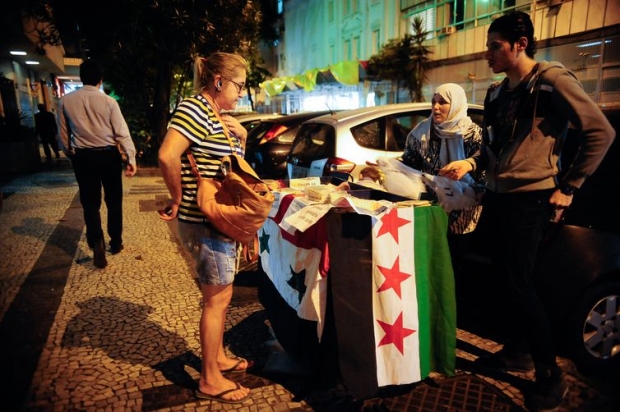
<point x="568" y="190"/>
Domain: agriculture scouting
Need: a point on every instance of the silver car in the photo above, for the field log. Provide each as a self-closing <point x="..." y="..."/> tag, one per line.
<point x="342" y="143"/>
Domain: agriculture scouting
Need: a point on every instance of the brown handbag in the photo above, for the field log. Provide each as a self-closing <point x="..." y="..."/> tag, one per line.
<point x="238" y="205"/>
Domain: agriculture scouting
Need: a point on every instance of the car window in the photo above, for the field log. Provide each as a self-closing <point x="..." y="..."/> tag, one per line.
<point x="250" y="125"/>
<point x="314" y="140"/>
<point x="370" y="134"/>
<point x="476" y="116"/>
<point x="401" y="125"/>
<point x="288" y="136"/>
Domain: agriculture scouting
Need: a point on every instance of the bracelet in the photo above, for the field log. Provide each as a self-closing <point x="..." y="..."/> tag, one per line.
<point x="472" y="163"/>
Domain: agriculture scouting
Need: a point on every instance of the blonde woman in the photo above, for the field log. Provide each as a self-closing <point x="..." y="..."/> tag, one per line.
<point x="197" y="125"/>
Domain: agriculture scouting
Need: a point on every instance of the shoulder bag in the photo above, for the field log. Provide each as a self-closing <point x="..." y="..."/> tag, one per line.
<point x="238" y="205"/>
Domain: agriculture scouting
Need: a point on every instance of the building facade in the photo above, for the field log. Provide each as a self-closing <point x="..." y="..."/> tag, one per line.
<point x="318" y="35"/>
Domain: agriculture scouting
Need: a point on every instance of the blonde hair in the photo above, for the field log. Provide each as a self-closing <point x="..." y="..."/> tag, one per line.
<point x="218" y="63"/>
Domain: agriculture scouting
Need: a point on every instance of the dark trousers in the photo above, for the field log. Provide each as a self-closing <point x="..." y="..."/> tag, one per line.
<point x="50" y="142"/>
<point x="94" y="169"/>
<point x="514" y="225"/>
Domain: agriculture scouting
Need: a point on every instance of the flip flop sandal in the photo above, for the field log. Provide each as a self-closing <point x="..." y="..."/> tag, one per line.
<point x="235" y="367"/>
<point x="219" y="396"/>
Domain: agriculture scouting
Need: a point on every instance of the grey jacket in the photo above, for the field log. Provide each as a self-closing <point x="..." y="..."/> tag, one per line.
<point x="529" y="160"/>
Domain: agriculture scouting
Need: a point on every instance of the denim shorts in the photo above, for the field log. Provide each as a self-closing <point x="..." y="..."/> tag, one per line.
<point x="215" y="255"/>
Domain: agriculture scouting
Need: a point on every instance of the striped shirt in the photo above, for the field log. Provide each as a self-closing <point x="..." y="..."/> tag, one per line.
<point x="195" y="119"/>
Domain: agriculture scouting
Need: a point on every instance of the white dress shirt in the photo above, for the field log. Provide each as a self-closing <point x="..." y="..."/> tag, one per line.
<point x="95" y="120"/>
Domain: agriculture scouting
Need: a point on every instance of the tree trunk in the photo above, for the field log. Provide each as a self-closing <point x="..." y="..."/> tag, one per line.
<point x="161" y="103"/>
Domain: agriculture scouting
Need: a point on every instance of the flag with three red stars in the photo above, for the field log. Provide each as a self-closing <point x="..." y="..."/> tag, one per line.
<point x="414" y="313"/>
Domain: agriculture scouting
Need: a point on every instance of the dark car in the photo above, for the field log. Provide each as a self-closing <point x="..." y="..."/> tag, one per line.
<point x="249" y="120"/>
<point x="577" y="272"/>
<point x="269" y="142"/>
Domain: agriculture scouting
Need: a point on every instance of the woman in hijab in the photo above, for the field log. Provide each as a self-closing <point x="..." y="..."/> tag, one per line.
<point x="448" y="134"/>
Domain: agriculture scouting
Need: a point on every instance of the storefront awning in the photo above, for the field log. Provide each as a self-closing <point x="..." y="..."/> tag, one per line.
<point x="345" y="72"/>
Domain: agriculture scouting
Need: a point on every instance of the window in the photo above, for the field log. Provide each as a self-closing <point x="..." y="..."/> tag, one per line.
<point x="370" y="134"/>
<point x="356" y="48"/>
<point x="314" y="140"/>
<point x="401" y="125"/>
<point x="330" y="11"/>
<point x="428" y="21"/>
<point x="376" y="41"/>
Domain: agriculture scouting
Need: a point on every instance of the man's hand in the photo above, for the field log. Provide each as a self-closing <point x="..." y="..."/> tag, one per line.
<point x="131" y="170"/>
<point x="456" y="170"/>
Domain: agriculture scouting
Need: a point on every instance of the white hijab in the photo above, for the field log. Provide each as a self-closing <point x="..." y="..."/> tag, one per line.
<point x="450" y="131"/>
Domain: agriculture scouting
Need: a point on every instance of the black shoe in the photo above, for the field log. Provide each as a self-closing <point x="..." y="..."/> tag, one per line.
<point x="99" y="255"/>
<point x="115" y="249"/>
<point x="546" y="395"/>
<point x="507" y="360"/>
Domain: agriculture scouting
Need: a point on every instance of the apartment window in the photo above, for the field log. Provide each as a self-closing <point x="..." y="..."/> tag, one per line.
<point x="347" y="49"/>
<point x="356" y="50"/>
<point x="428" y="21"/>
<point x="376" y="41"/>
<point x="330" y="11"/>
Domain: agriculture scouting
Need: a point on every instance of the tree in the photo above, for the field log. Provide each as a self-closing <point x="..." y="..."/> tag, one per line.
<point x="420" y="62"/>
<point x="404" y="61"/>
<point x="147" y="49"/>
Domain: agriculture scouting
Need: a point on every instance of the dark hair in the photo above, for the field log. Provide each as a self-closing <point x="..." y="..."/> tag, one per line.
<point x="90" y="73"/>
<point x="41" y="107"/>
<point x="513" y="26"/>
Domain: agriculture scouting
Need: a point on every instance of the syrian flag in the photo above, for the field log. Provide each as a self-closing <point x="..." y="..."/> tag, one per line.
<point x="297" y="264"/>
<point x="414" y="307"/>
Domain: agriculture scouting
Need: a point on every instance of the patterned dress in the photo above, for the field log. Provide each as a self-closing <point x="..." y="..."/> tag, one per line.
<point x="427" y="161"/>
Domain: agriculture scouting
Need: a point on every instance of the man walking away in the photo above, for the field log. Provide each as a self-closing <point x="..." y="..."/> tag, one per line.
<point x="92" y="129"/>
<point x="45" y="127"/>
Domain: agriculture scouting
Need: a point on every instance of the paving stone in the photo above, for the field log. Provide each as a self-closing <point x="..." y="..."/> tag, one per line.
<point x="126" y="337"/>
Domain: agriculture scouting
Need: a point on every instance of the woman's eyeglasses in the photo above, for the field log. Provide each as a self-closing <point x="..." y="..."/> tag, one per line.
<point x="239" y="86"/>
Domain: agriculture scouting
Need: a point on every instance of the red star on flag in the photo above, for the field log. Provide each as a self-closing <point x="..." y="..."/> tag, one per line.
<point x="393" y="277"/>
<point x="395" y="333"/>
<point x="390" y="223"/>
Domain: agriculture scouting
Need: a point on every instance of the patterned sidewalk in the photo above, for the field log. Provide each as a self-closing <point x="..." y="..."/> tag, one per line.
<point x="74" y="337"/>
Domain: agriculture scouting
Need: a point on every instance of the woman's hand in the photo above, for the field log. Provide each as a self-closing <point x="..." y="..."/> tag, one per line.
<point x="169" y="213"/>
<point x="456" y="170"/>
<point x="235" y="127"/>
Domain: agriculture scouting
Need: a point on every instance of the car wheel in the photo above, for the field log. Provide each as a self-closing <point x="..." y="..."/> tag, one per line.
<point x="594" y="330"/>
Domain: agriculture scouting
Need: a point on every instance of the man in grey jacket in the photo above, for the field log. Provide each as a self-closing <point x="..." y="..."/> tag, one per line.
<point x="526" y="119"/>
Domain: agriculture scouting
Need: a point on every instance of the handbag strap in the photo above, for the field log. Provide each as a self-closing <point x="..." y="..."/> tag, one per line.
<point x="192" y="162"/>
<point x="233" y="150"/>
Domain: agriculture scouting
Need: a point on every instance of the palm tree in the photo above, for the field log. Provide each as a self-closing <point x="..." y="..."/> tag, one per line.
<point x="420" y="62"/>
<point x="405" y="62"/>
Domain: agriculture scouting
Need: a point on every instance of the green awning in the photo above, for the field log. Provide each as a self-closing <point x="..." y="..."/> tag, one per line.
<point x="345" y="72"/>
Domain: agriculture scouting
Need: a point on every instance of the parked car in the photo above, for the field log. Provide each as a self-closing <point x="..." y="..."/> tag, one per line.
<point x="578" y="266"/>
<point x="250" y="120"/>
<point x="342" y="142"/>
<point x="577" y="272"/>
<point x="270" y="141"/>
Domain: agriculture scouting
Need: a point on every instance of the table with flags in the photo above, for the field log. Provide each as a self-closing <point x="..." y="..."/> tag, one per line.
<point x="375" y="291"/>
